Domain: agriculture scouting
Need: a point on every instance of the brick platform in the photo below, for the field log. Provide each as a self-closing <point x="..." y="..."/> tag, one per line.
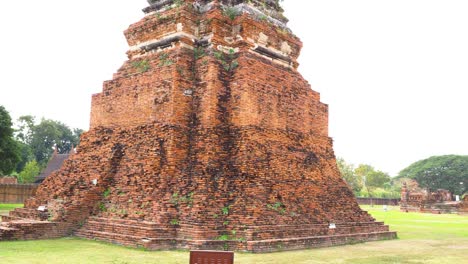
<point x="206" y="138"/>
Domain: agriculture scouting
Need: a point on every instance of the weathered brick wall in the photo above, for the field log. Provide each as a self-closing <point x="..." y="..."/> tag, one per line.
<point x="130" y="100"/>
<point x="8" y="180"/>
<point x="16" y="193"/>
<point x="273" y="97"/>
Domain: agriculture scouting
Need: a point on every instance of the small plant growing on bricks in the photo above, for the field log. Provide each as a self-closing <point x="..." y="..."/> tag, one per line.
<point x="164" y="59"/>
<point x="228" y="61"/>
<point x="141" y="65"/>
<point x="198" y="52"/>
<point x="277" y="207"/>
<point x="231" y="12"/>
<point x="106" y="193"/>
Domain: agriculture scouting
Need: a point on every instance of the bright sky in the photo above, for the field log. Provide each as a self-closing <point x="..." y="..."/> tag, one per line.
<point x="394" y="73"/>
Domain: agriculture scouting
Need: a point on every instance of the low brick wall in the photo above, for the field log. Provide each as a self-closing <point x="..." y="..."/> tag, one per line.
<point x="378" y="201"/>
<point x="8" y="180"/>
<point x="16" y="193"/>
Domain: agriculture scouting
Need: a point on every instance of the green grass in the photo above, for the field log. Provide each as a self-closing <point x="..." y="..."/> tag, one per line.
<point x="423" y="238"/>
<point x="422" y="226"/>
<point x="5" y="208"/>
<point x="8" y="207"/>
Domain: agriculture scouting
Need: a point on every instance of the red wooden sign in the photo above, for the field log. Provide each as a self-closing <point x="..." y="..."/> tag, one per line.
<point x="211" y="257"/>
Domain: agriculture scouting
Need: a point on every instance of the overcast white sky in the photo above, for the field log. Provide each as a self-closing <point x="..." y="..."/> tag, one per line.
<point x="394" y="73"/>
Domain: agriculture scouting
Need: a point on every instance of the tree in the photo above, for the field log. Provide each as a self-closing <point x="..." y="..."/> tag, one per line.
<point x="25" y="127"/>
<point x="371" y="178"/>
<point x="9" y="149"/>
<point x="362" y="171"/>
<point x="347" y="173"/>
<point x="378" y="179"/>
<point x="46" y="135"/>
<point x="448" y="172"/>
<point x="26" y="155"/>
<point x="30" y="171"/>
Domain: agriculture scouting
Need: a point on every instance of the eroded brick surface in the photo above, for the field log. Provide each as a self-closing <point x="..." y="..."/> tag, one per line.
<point x="416" y="199"/>
<point x="208" y="138"/>
<point x="463" y="209"/>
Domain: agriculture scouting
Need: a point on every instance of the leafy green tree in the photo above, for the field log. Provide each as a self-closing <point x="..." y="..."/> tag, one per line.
<point x="25" y="127"/>
<point x="362" y="171"/>
<point x="378" y="179"/>
<point x="347" y="172"/>
<point x="30" y="171"/>
<point x="9" y="149"/>
<point x="448" y="172"/>
<point x="46" y="135"/>
<point x="371" y="178"/>
<point x="26" y="155"/>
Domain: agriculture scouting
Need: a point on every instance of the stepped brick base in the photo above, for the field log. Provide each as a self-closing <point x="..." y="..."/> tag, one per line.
<point x="254" y="239"/>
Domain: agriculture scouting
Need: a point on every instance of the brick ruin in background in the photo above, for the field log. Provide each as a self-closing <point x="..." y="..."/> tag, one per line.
<point x="416" y="199"/>
<point x="463" y="208"/>
<point x="206" y="138"/>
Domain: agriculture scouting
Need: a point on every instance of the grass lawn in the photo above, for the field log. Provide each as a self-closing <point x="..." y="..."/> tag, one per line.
<point x="5" y="208"/>
<point x="423" y="238"/>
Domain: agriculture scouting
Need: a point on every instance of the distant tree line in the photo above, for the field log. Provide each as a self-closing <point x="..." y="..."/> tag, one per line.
<point x="366" y="181"/>
<point x="26" y="148"/>
<point x="449" y="172"/>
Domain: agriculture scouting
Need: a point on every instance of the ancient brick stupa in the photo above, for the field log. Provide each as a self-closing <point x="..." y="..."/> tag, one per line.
<point x="207" y="138"/>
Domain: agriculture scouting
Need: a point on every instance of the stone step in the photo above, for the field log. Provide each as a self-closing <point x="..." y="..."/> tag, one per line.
<point x="27" y="213"/>
<point x="121" y="239"/>
<point x="9" y="233"/>
<point x="273" y="245"/>
<point x="317" y="226"/>
<point x="313" y="232"/>
<point x="150" y="243"/>
<point x="7" y="228"/>
<point x="109" y="226"/>
<point x="125" y="222"/>
<point x="113" y="224"/>
<point x="312" y="226"/>
<point x="7" y="218"/>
